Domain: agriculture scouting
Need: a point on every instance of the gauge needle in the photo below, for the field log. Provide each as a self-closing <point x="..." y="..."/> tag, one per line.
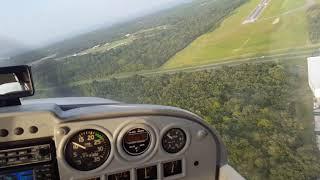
<point x="170" y="137"/>
<point x="172" y="168"/>
<point x="79" y="145"/>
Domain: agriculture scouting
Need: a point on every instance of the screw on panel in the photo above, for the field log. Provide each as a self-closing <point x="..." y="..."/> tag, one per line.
<point x="63" y="131"/>
<point x="196" y="163"/>
<point x="33" y="129"/>
<point x="4" y="132"/>
<point x="202" y="134"/>
<point x="18" y="131"/>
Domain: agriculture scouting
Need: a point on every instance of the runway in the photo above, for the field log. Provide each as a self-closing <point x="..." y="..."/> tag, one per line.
<point x="255" y="14"/>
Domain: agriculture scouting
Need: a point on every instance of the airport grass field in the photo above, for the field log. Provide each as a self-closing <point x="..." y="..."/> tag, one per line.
<point x="281" y="26"/>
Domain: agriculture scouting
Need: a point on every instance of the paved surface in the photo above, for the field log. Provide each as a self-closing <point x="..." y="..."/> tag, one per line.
<point x="255" y="14"/>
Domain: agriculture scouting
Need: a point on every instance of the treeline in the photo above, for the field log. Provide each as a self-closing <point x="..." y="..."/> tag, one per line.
<point x="185" y="23"/>
<point x="313" y="15"/>
<point x="255" y="108"/>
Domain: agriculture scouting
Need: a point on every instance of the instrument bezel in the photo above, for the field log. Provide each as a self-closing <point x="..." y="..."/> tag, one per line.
<point x="188" y="139"/>
<point x="74" y="131"/>
<point x="149" y="153"/>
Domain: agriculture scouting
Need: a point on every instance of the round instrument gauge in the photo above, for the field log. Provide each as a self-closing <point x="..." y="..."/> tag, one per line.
<point x="174" y="140"/>
<point x="136" y="141"/>
<point x="87" y="150"/>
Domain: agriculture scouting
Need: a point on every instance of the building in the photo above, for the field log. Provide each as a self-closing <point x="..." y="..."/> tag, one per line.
<point x="314" y="83"/>
<point x="314" y="75"/>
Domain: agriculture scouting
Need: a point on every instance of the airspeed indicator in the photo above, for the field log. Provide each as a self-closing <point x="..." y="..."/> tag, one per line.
<point x="87" y="150"/>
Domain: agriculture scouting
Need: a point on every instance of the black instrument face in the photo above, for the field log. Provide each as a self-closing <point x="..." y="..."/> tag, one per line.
<point x="174" y="140"/>
<point x="87" y="150"/>
<point x="147" y="173"/>
<point x="136" y="141"/>
<point x="172" y="168"/>
<point x="120" y="176"/>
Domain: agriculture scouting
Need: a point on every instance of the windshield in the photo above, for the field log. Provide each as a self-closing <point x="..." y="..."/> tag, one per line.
<point x="242" y="65"/>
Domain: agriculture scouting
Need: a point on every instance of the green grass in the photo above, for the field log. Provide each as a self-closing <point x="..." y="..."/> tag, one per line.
<point x="233" y="39"/>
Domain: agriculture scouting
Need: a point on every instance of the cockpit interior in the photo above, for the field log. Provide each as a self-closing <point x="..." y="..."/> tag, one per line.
<point x="87" y="138"/>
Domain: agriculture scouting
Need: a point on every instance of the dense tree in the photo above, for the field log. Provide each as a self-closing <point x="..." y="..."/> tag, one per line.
<point x="156" y="38"/>
<point x="254" y="108"/>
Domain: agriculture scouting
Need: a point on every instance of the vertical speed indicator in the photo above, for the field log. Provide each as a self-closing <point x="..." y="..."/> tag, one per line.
<point x="87" y="150"/>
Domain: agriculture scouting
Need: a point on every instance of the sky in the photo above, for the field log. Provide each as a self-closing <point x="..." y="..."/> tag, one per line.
<point x="40" y="22"/>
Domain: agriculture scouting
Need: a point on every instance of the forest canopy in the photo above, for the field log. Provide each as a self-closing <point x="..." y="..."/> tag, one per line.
<point x="260" y="111"/>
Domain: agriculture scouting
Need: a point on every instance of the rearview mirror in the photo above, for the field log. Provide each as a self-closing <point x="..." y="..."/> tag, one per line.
<point x="16" y="82"/>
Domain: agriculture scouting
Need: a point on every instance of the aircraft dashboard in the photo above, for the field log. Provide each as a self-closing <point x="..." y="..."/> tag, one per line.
<point x="106" y="140"/>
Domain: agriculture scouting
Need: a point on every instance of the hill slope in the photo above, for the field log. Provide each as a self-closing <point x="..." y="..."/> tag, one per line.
<point x="282" y="25"/>
<point x="10" y="47"/>
<point x="145" y="43"/>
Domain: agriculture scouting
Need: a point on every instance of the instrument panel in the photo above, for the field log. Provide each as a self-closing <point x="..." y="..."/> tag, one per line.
<point x="140" y="148"/>
<point x="89" y="149"/>
<point x="123" y="143"/>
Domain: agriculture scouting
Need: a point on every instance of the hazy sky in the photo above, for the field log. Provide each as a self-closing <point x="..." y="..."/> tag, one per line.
<point x="36" y="22"/>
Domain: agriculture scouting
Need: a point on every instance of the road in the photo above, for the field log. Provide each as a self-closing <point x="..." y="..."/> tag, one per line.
<point x="292" y="55"/>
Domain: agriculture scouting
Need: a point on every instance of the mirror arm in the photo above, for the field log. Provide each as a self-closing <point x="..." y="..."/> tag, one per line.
<point x="10" y="102"/>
